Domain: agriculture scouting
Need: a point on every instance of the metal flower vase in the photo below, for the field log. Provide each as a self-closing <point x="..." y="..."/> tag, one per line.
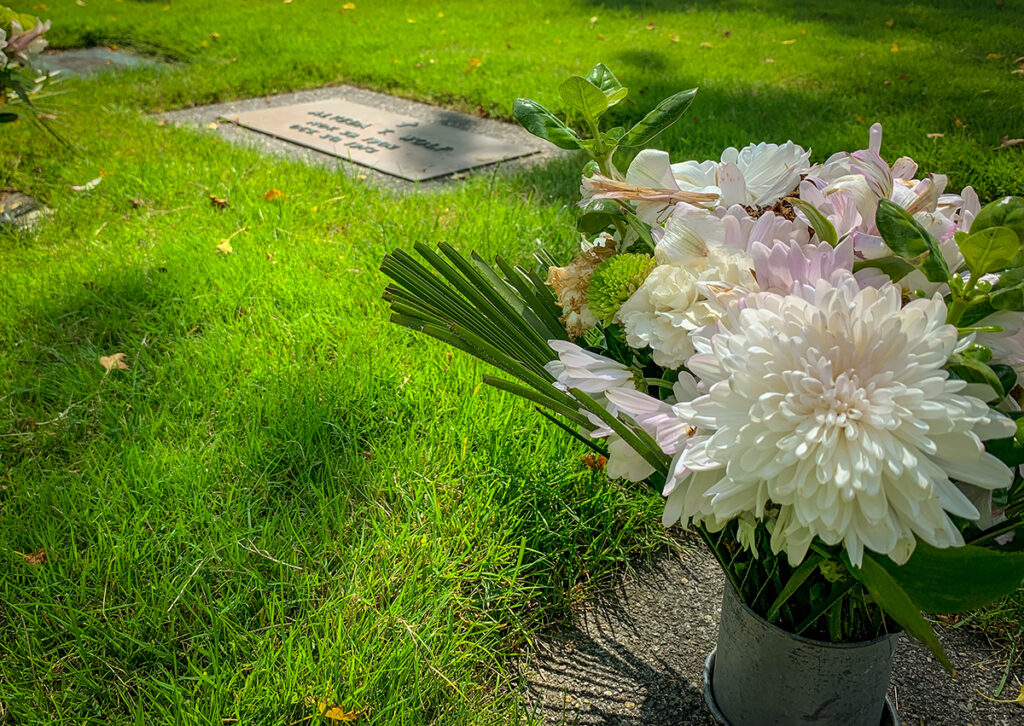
<point x="762" y="675"/>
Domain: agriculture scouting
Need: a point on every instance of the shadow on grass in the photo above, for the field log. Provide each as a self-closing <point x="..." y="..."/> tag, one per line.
<point x="823" y="118"/>
<point x="857" y="18"/>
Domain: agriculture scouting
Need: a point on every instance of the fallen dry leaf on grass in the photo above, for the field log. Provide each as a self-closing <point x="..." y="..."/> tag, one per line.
<point x="110" y="362"/>
<point x="1006" y="142"/>
<point x="225" y="247"/>
<point x="218" y="202"/>
<point x="273" y="194"/>
<point x="473" y="63"/>
<point x="934" y="136"/>
<point x="594" y="462"/>
<point x="38" y="557"/>
<point x="337" y="713"/>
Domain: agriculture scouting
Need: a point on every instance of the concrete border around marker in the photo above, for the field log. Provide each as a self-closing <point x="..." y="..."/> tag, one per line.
<point x="202" y="116"/>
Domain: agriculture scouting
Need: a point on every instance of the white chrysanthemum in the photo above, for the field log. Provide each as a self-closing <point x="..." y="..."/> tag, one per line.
<point x="834" y="405"/>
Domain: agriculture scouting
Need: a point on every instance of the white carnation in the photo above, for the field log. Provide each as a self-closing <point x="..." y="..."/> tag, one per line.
<point x="661" y="314"/>
<point x="835" y="405"/>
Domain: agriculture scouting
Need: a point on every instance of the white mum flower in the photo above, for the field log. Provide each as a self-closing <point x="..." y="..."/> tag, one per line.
<point x="833" y="404"/>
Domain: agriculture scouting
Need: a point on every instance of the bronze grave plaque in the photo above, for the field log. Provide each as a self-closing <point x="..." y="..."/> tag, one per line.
<point x="402" y="146"/>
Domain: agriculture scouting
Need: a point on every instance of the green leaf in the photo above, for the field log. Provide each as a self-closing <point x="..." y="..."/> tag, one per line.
<point x="973" y="370"/>
<point x="1010" y="451"/>
<point x="894" y="267"/>
<point x="616" y="96"/>
<point x="1007" y="376"/>
<point x="584" y="96"/>
<point x="602" y="77"/>
<point x="660" y="118"/>
<point x="1005" y="212"/>
<point x="7" y="117"/>
<point x="1008" y="294"/>
<point x="991" y="249"/>
<point x="823" y="228"/>
<point x="615" y="134"/>
<point x="799" y="576"/>
<point x="897" y="604"/>
<point x="542" y="123"/>
<point x="593" y="223"/>
<point x="908" y="239"/>
<point x="955" y="579"/>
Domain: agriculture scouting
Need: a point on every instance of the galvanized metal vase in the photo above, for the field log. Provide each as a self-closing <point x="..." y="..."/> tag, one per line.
<point x="762" y="675"/>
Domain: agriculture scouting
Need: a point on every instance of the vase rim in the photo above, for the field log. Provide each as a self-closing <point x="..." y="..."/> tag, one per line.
<point x="805" y="639"/>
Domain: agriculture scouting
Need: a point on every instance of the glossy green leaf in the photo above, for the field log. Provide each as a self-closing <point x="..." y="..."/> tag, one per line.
<point x="593" y="223"/>
<point x="1005" y="212"/>
<point x="973" y="370"/>
<point x="542" y="123"/>
<point x="955" y="579"/>
<point x="990" y="250"/>
<point x="1010" y="450"/>
<point x="908" y="239"/>
<point x="894" y="267"/>
<point x="660" y="118"/>
<point x="617" y="96"/>
<point x="615" y="134"/>
<point x="602" y="77"/>
<point x="897" y="604"/>
<point x="582" y="95"/>
<point x="823" y="229"/>
<point x="1008" y="293"/>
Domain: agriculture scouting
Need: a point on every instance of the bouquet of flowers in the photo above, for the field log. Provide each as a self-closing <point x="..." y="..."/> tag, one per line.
<point x="21" y="42"/>
<point x="817" y="363"/>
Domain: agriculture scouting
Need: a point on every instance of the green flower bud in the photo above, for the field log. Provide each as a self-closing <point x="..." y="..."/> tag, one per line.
<point x="614" y="282"/>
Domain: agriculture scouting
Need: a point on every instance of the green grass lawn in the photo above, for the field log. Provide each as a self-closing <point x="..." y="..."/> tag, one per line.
<point x="286" y="500"/>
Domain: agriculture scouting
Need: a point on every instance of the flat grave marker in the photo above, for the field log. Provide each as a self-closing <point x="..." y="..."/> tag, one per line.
<point x="411" y="148"/>
<point x="89" y="61"/>
<point x="19" y="211"/>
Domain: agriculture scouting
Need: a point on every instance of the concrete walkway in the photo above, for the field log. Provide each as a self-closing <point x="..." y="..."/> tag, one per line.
<point x="637" y="657"/>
